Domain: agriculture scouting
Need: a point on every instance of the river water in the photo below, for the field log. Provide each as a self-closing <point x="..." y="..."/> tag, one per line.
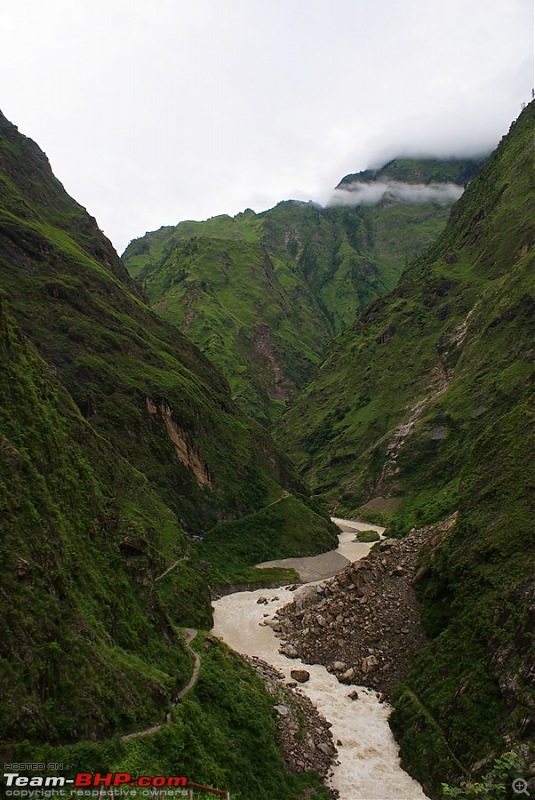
<point x="368" y="767"/>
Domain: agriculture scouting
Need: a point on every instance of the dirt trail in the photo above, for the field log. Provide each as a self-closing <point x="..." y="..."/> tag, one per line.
<point x="169" y="569"/>
<point x="189" y="635"/>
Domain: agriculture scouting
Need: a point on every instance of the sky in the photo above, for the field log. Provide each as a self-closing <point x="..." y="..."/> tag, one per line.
<point x="156" y="111"/>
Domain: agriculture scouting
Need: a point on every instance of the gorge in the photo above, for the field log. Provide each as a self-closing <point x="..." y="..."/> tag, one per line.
<point x="372" y="363"/>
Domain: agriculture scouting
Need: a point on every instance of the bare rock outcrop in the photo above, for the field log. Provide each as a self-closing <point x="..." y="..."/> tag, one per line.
<point x="364" y="624"/>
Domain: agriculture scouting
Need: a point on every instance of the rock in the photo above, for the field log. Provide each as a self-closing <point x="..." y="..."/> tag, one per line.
<point x="321" y="621"/>
<point x="353" y="695"/>
<point x="368" y="664"/>
<point x="291" y="684"/>
<point x="283" y="711"/>
<point x="289" y="651"/>
<point x="325" y="748"/>
<point x="348" y="675"/>
<point x="133" y="546"/>
<point x="338" y="666"/>
<point x="339" y="743"/>
<point x="262" y="601"/>
<point x="21" y="566"/>
<point x="300" y="675"/>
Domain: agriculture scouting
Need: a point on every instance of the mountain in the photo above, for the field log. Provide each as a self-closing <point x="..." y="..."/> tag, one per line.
<point x="118" y="439"/>
<point x="425" y="171"/>
<point x="263" y="294"/>
<point x="421" y="409"/>
<point x="134" y="377"/>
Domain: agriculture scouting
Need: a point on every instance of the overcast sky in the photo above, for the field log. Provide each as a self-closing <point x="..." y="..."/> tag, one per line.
<point x="155" y="111"/>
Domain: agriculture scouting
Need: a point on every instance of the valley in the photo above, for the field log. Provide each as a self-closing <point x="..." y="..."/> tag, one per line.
<point x="263" y="294"/>
<point x="184" y="433"/>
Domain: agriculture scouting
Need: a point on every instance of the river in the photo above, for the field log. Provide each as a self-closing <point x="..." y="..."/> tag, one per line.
<point x="368" y="765"/>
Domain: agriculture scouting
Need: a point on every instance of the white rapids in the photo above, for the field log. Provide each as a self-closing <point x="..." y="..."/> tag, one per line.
<point x="368" y="766"/>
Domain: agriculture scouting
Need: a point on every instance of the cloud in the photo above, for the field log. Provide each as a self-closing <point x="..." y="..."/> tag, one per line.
<point x="375" y="192"/>
<point x="165" y="110"/>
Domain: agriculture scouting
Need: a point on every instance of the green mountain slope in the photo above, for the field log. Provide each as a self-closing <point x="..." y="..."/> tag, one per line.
<point x="135" y="378"/>
<point x="117" y="439"/>
<point x="418" y="170"/>
<point x="423" y="405"/>
<point x="262" y="294"/>
<point x="83" y="536"/>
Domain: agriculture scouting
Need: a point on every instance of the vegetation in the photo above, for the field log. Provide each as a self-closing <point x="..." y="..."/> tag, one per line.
<point x="367" y="536"/>
<point x="223" y="735"/>
<point x="118" y="441"/>
<point x="263" y="294"/>
<point x="411" y="170"/>
<point x="496" y="784"/>
<point x="285" y="529"/>
<point x="136" y="379"/>
<point x="83" y="535"/>
<point x="426" y="399"/>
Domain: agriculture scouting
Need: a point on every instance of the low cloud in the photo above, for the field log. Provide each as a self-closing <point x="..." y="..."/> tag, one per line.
<point x="375" y="193"/>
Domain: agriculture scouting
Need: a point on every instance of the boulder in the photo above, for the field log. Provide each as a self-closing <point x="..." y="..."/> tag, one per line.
<point x="300" y="675"/>
<point x="282" y="711"/>
<point x="348" y="675"/>
<point x="289" y="651"/>
<point x="369" y="663"/>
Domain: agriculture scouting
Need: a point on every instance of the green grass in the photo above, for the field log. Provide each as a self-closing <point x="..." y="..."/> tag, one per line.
<point x="367" y="536"/>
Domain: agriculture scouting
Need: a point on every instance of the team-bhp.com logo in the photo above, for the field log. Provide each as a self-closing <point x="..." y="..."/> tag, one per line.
<point x="91" y="780"/>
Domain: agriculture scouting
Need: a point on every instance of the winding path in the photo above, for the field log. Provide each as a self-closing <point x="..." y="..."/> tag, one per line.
<point x="189" y="635"/>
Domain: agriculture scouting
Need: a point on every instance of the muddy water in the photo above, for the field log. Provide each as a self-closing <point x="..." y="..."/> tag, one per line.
<point x="368" y="767"/>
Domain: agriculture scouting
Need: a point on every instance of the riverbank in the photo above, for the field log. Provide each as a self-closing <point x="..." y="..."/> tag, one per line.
<point x="364" y="624"/>
<point x="327" y="565"/>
